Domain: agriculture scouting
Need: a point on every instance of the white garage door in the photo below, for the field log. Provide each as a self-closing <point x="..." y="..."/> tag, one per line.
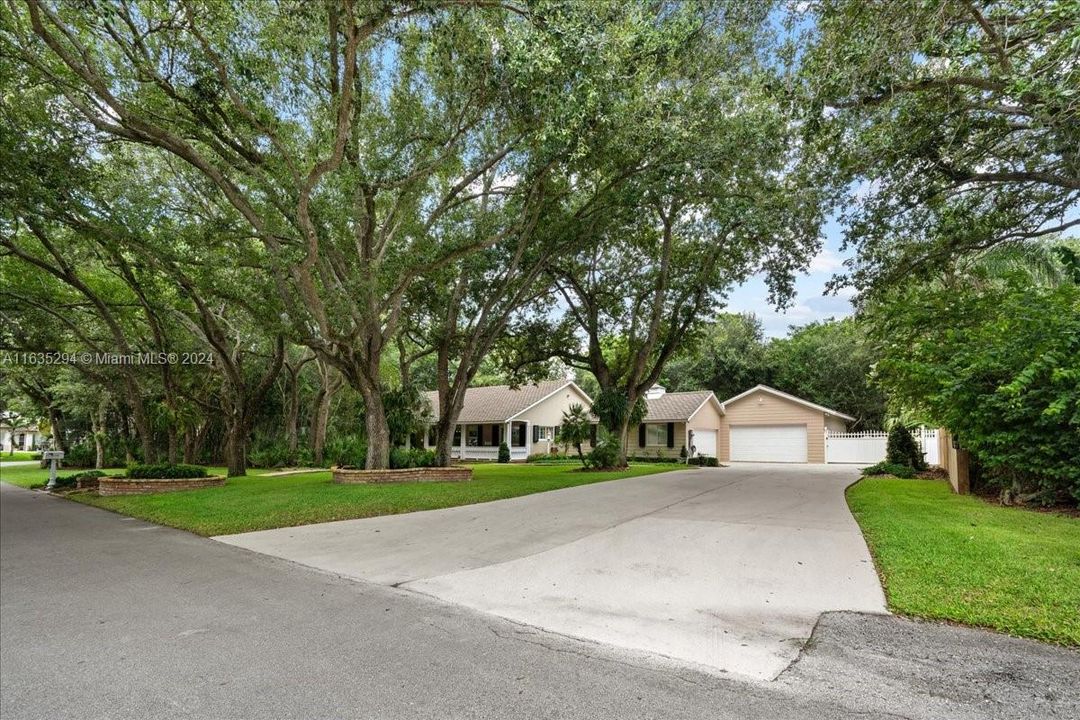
<point x="768" y="443"/>
<point x="705" y="442"/>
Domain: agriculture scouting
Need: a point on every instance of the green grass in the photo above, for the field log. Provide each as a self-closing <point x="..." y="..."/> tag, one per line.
<point x="30" y="476"/>
<point x="259" y="503"/>
<point x="959" y="558"/>
<point x="17" y="456"/>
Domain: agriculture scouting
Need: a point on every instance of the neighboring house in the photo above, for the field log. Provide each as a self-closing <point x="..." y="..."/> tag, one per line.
<point x="766" y="425"/>
<point x="677" y="420"/>
<point x="25" y="437"/>
<point x="526" y="418"/>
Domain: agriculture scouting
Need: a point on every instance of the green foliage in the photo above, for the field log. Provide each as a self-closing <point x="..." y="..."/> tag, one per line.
<point x="886" y="467"/>
<point x="604" y="456"/>
<point x="658" y="458"/>
<point x="703" y="461"/>
<point x="997" y="362"/>
<point x="728" y="358"/>
<point x="70" y="481"/>
<point x="166" y="471"/>
<point x="942" y="128"/>
<point x="405" y="458"/>
<point x="504" y="452"/>
<point x="345" y="451"/>
<point x="271" y="452"/>
<point x="576" y="428"/>
<point x="612" y="407"/>
<point x="901" y="448"/>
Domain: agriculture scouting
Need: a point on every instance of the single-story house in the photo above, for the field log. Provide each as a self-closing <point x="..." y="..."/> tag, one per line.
<point x="677" y="420"/>
<point x="23" y="437"/>
<point x="526" y="418"/>
<point x="764" y="424"/>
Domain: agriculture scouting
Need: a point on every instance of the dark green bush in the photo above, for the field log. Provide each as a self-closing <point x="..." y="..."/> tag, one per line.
<point x="405" y="458"/>
<point x="652" y="459"/>
<point x="70" y="481"/>
<point x="504" y="453"/>
<point x="271" y="453"/>
<point x="901" y="449"/>
<point x="345" y="451"/>
<point x="887" y="468"/>
<point x="164" y="471"/>
<point x="703" y="461"/>
<point x="604" y="455"/>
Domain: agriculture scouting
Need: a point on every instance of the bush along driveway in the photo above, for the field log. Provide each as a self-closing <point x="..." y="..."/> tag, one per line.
<point x="258" y="503"/>
<point x="959" y="558"/>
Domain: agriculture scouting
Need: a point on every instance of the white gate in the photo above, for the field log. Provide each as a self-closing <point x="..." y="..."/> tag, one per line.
<point x="868" y="448"/>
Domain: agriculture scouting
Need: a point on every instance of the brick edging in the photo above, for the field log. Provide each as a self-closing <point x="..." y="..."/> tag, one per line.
<point x="142" y="486"/>
<point x="427" y="474"/>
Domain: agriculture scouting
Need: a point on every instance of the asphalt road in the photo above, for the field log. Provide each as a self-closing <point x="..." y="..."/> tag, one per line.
<point x="103" y="616"/>
<point x="729" y="568"/>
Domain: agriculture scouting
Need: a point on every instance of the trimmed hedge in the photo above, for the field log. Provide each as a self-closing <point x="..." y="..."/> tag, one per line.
<point x="703" y="461"/>
<point x="164" y="471"/>
<point x="905" y="472"/>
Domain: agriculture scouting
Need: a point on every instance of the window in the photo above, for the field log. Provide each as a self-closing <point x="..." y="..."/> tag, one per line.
<point x="547" y="433"/>
<point x="656" y="434"/>
<point x="473" y="435"/>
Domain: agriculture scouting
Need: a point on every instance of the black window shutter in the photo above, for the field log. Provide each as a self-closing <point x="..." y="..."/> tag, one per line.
<point x="592" y="435"/>
<point x="671" y="435"/>
<point x="457" y="435"/>
<point x="641" y="435"/>
<point x="536" y="433"/>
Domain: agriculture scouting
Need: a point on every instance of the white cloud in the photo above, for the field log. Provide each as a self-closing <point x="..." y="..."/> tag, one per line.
<point x="826" y="261"/>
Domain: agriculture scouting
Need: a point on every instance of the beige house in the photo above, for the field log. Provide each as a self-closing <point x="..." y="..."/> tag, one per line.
<point x="526" y="418"/>
<point x="766" y="425"/>
<point x="677" y="420"/>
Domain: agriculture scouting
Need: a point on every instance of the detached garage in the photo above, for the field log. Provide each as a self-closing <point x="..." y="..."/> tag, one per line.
<point x="764" y="424"/>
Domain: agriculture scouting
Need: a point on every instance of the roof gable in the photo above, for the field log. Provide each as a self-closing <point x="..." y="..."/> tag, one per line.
<point x="502" y="403"/>
<point x="788" y="396"/>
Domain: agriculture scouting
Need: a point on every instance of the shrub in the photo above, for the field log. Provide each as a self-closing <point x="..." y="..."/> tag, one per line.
<point x="70" y="481"/>
<point x="901" y="449"/>
<point x="683" y="454"/>
<point x="604" y="455"/>
<point x="270" y="455"/>
<point x="653" y="459"/>
<point x="887" y="468"/>
<point x="405" y="458"/>
<point x="703" y="461"/>
<point x="504" y="453"/>
<point x="345" y="451"/>
<point x="164" y="471"/>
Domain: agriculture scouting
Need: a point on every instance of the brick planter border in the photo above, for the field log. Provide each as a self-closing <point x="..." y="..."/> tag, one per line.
<point x="428" y="474"/>
<point x="143" y="486"/>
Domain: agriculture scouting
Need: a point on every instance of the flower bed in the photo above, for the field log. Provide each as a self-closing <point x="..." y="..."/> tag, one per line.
<point x="406" y="475"/>
<point x="143" y="486"/>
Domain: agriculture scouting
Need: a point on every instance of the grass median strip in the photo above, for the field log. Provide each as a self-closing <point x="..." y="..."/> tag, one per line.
<point x="955" y="557"/>
<point x="259" y="503"/>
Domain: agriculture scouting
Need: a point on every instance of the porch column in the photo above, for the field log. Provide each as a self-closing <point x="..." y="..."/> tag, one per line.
<point x="528" y="438"/>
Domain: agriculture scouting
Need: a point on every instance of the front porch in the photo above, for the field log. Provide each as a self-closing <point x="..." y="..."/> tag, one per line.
<point x="480" y="441"/>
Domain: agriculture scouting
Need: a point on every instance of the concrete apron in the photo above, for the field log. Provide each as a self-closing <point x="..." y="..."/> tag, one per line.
<point x="726" y="569"/>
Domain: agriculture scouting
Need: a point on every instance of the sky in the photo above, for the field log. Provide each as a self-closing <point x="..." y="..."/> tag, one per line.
<point x="810" y="302"/>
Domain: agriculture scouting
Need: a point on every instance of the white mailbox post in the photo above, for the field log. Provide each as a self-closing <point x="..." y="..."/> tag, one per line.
<point x="52" y="456"/>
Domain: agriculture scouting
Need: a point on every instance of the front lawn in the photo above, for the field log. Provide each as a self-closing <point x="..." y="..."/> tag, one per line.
<point x="32" y="476"/>
<point x="259" y="503"/>
<point x="18" y="456"/>
<point x="956" y="557"/>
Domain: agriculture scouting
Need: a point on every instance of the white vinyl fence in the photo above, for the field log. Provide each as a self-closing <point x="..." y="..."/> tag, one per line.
<point x="868" y="448"/>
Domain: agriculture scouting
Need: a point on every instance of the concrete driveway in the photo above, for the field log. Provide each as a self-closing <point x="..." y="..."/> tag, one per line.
<point x="727" y="569"/>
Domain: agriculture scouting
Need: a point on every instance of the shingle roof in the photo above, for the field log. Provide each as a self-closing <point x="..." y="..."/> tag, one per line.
<point x="499" y="403"/>
<point x="675" y="406"/>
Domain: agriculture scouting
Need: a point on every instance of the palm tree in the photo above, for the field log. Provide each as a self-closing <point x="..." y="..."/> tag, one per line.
<point x="576" y="428"/>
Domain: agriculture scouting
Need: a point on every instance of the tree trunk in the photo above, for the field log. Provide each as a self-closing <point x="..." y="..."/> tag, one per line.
<point x="56" y="421"/>
<point x="142" y="422"/>
<point x="622" y="432"/>
<point x="378" y="432"/>
<point x="580" y="454"/>
<point x="444" y="443"/>
<point x="236" y="448"/>
<point x="292" y="418"/>
<point x="97" y="426"/>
